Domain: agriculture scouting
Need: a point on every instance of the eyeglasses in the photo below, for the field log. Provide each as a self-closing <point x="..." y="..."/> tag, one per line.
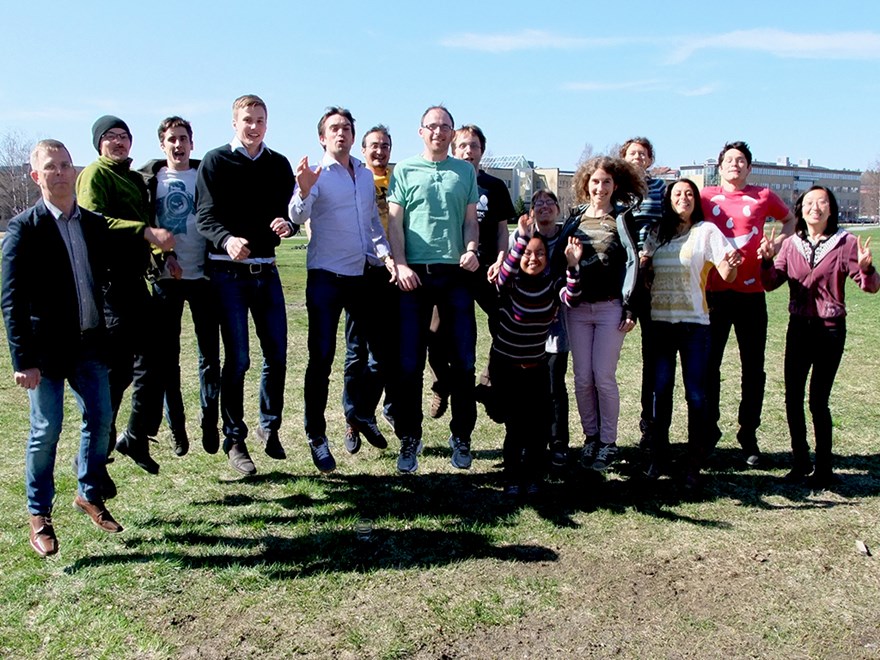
<point x="543" y="202"/>
<point x="443" y="128"/>
<point x="121" y="137"/>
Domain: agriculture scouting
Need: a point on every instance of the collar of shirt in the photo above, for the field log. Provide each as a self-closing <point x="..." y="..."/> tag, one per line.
<point x="238" y="146"/>
<point x="57" y="213"/>
<point x="329" y="161"/>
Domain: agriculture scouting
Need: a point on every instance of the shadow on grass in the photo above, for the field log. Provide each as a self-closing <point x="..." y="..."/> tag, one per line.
<point x="428" y="520"/>
<point x="280" y="557"/>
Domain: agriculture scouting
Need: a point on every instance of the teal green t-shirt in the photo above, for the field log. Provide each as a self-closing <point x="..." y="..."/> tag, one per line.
<point x="434" y="197"/>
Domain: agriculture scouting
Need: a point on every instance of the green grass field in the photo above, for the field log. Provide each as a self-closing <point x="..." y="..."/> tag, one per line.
<point x="215" y="566"/>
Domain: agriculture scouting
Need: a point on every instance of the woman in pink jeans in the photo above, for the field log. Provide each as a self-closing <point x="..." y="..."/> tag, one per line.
<point x="606" y="189"/>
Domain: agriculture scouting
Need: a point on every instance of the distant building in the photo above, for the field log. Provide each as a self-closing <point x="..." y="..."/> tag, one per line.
<point x="523" y="179"/>
<point x="789" y="181"/>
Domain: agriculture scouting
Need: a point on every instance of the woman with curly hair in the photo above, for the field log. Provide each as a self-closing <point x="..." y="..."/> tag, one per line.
<point x="606" y="190"/>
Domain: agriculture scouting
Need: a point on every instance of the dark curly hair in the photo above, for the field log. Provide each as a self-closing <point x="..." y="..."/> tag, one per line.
<point x="630" y="190"/>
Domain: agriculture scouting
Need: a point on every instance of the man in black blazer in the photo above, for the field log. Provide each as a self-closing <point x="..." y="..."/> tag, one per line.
<point x="53" y="268"/>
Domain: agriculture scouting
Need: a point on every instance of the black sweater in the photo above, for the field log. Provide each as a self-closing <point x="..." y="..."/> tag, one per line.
<point x="237" y="196"/>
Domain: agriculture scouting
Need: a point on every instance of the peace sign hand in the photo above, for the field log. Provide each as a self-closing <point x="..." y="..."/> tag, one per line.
<point x="767" y="248"/>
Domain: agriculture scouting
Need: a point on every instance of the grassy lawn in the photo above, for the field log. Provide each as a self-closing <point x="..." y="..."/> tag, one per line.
<point x="215" y="566"/>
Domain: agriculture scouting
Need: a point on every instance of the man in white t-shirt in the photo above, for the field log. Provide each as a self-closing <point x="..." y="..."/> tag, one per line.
<point x="172" y="186"/>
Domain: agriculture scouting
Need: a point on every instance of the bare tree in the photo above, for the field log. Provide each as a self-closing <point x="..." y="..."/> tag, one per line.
<point x="17" y="190"/>
<point x="586" y="154"/>
<point x="869" y="199"/>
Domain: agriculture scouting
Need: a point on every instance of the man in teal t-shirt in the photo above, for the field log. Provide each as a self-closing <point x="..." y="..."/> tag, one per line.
<point x="433" y="230"/>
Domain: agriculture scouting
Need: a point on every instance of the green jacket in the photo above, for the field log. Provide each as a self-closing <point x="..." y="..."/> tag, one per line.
<point x="120" y="195"/>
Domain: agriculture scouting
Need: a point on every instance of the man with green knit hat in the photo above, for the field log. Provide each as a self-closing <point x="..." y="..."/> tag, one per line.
<point x="108" y="186"/>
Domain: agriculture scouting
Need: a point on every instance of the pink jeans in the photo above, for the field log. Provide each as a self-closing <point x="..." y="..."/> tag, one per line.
<point x="595" y="350"/>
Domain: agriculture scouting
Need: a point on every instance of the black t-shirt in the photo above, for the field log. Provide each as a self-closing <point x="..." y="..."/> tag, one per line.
<point x="494" y="206"/>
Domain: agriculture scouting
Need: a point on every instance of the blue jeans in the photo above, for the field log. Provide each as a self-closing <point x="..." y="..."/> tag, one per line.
<point x="746" y="314"/>
<point x="169" y="296"/>
<point x="692" y="342"/>
<point x="91" y="389"/>
<point x="327" y="295"/>
<point x="448" y="287"/>
<point x="362" y="378"/>
<point x="239" y="291"/>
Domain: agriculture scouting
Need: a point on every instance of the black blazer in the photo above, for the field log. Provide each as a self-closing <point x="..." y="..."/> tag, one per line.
<point x="38" y="297"/>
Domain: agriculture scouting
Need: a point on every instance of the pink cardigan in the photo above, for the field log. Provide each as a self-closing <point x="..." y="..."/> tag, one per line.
<point x="816" y="275"/>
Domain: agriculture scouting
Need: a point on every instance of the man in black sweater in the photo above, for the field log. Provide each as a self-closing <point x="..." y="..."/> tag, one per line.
<point x="242" y="192"/>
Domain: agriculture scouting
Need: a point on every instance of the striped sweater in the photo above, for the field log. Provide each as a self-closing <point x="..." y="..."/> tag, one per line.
<point x="528" y="305"/>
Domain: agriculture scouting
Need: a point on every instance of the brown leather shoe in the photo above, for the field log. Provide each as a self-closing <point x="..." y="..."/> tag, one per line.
<point x="42" y="535"/>
<point x="98" y="513"/>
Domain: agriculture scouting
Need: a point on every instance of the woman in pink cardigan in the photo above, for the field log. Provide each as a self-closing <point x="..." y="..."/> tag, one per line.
<point x="815" y="262"/>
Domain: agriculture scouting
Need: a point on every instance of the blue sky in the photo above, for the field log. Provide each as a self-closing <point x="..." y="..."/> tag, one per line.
<point x="541" y="79"/>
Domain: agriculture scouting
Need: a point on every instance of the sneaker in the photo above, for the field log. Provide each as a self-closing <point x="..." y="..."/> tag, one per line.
<point x="179" y="441"/>
<point x="605" y="456"/>
<point x="655" y="471"/>
<point x="352" y="440"/>
<point x="271" y="443"/>
<point x="590" y="450"/>
<point x="822" y="479"/>
<point x="752" y="457"/>
<point x="321" y="456"/>
<point x="240" y="459"/>
<point x="408" y="459"/>
<point x="439" y="404"/>
<point x="370" y="431"/>
<point x="511" y="490"/>
<point x="137" y="450"/>
<point x="798" y="472"/>
<point x="558" y="457"/>
<point x="461" y="453"/>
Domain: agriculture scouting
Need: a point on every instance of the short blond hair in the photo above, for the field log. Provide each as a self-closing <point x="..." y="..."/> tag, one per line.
<point x="248" y="101"/>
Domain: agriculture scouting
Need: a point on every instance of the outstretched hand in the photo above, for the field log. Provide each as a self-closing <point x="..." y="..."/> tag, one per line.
<point x="864" y="253"/>
<point x="767" y="248"/>
<point x="305" y="177"/>
<point x="574" y="251"/>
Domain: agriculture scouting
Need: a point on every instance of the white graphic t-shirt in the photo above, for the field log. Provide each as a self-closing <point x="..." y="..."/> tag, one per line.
<point x="176" y="212"/>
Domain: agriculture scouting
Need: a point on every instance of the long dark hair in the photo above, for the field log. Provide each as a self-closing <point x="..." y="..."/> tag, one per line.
<point x="800" y="225"/>
<point x="669" y="221"/>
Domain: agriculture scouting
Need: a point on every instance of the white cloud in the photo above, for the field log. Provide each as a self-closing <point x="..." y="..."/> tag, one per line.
<point x="699" y="91"/>
<point x="639" y="86"/>
<point x="527" y="40"/>
<point x="833" y="45"/>
<point x="632" y="85"/>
